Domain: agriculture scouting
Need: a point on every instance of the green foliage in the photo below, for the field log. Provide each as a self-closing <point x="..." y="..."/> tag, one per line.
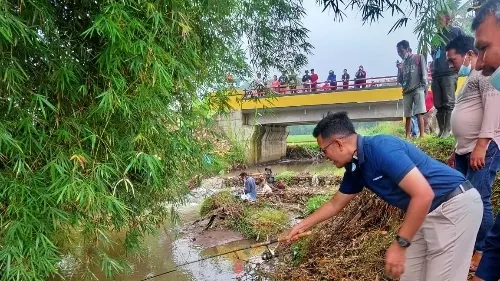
<point x="262" y="222"/>
<point x="429" y="26"/>
<point x="216" y="201"/>
<point x="299" y="250"/>
<point x="315" y="202"/>
<point x="286" y="176"/>
<point x="253" y="220"/>
<point x="385" y="128"/>
<point x="438" y="148"/>
<point x="101" y="102"/>
<point x="424" y="12"/>
<point x="300" y="139"/>
<point x="237" y="153"/>
<point x="301" y="130"/>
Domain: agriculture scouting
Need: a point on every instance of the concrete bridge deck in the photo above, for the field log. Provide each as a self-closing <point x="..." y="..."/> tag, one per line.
<point x="261" y="123"/>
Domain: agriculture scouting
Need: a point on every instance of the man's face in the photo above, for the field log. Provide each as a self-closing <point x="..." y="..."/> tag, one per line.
<point x="402" y="52"/>
<point x="455" y="59"/>
<point x="334" y="150"/>
<point x="345" y="71"/>
<point x="488" y="45"/>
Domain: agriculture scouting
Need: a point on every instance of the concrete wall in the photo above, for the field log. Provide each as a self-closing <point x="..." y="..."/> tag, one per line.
<point x="262" y="143"/>
<point x="360" y="112"/>
<point x="273" y="143"/>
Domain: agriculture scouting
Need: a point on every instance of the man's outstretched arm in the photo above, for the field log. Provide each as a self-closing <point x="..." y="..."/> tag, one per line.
<point x="328" y="210"/>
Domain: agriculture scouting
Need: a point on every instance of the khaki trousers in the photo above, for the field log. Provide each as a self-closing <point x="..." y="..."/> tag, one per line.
<point x="442" y="248"/>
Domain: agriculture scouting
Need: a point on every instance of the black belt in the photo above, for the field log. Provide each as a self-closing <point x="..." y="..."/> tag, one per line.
<point x="462" y="188"/>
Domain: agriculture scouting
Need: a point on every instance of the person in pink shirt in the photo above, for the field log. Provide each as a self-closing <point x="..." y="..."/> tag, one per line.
<point x="275" y="84"/>
<point x="326" y="86"/>
<point x="314" y="80"/>
<point x="430" y="116"/>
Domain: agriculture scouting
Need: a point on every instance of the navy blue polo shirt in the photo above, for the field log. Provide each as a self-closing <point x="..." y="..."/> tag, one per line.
<point x="383" y="161"/>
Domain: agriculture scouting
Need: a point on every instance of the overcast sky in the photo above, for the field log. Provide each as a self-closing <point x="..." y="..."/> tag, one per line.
<point x="348" y="44"/>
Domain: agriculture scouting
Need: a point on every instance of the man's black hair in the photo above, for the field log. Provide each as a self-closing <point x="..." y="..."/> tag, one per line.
<point x="492" y="7"/>
<point x="334" y="124"/>
<point x="243" y="174"/>
<point x="462" y="44"/>
<point x="405" y="44"/>
<point x="312" y="69"/>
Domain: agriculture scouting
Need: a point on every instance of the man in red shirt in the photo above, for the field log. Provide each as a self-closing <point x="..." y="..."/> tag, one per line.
<point x="314" y="80"/>
<point x="430" y="115"/>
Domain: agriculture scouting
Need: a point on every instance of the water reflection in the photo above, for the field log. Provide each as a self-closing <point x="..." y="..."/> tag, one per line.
<point x="232" y="266"/>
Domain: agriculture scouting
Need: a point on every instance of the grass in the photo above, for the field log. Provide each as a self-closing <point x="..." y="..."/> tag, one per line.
<point x="286" y="176"/>
<point x="262" y="223"/>
<point x="395" y="128"/>
<point x="216" y="201"/>
<point x="257" y="220"/>
<point x="439" y="148"/>
<point x="315" y="202"/>
<point x="300" y="139"/>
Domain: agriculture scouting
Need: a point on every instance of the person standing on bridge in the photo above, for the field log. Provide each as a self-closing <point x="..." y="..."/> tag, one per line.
<point x="442" y="208"/>
<point x="475" y="124"/>
<point x="412" y="75"/>
<point x="444" y="78"/>
<point x="314" y="80"/>
<point x="487" y="29"/>
<point x="306" y="81"/>
<point x="332" y="79"/>
<point x="360" y="77"/>
<point x="345" y="79"/>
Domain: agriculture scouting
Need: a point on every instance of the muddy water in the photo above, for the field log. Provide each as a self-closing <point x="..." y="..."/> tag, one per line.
<point x="176" y="245"/>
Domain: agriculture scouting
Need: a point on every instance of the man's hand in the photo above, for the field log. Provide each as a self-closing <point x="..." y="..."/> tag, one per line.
<point x="395" y="260"/>
<point x="477" y="157"/>
<point x="451" y="160"/>
<point x="296" y="230"/>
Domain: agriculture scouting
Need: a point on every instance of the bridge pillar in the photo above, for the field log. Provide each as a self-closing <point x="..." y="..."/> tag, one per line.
<point x="273" y="143"/>
<point x="261" y="143"/>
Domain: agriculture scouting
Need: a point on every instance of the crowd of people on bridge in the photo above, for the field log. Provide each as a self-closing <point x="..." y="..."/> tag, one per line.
<point x="449" y="227"/>
<point x="310" y="82"/>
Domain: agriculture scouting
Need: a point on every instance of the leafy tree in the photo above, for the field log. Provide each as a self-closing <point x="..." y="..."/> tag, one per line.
<point x="101" y="105"/>
<point x="426" y="13"/>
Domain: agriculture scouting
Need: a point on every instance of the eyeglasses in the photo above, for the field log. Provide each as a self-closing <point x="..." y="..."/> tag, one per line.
<point x="323" y="150"/>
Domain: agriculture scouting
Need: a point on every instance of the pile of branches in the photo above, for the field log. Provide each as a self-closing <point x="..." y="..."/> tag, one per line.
<point x="351" y="246"/>
<point x="294" y="195"/>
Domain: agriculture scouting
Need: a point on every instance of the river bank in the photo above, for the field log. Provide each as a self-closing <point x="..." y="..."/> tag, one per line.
<point x="359" y="236"/>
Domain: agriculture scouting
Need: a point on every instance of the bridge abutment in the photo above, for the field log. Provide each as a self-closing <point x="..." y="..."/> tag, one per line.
<point x="261" y="143"/>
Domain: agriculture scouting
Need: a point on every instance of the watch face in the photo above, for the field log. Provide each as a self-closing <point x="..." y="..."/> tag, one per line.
<point x="403" y="242"/>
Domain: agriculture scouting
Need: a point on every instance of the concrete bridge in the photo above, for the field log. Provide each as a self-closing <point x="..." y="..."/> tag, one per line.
<point x="260" y="123"/>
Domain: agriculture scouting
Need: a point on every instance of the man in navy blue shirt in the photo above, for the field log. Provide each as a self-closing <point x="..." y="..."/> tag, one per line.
<point x="442" y="209"/>
<point x="250" y="187"/>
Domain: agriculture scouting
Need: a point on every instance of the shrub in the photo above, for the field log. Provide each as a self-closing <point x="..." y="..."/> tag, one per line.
<point x="286" y="176"/>
<point x="224" y="198"/>
<point x="263" y="222"/>
<point x="315" y="202"/>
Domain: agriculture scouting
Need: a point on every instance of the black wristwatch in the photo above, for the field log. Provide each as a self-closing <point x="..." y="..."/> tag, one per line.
<point x="403" y="242"/>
